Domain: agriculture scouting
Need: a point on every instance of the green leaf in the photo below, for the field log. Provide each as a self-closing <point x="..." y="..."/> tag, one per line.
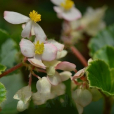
<point x="12" y="83"/>
<point x="101" y="76"/>
<point x="8" y="53"/>
<point x="104" y="37"/>
<point x="106" y="54"/>
<point x="2" y="93"/>
<point x="2" y="68"/>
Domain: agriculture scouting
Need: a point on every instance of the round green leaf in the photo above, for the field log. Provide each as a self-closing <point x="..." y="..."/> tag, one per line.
<point x="101" y="76"/>
<point x="106" y="54"/>
<point x="2" y="93"/>
<point x="104" y="37"/>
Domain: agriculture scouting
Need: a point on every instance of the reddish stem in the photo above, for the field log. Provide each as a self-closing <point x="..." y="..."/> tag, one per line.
<point x="79" y="56"/>
<point x="30" y="79"/>
<point x="11" y="69"/>
<point x="36" y="75"/>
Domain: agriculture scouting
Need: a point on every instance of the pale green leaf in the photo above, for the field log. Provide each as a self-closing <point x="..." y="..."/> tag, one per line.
<point x="101" y="76"/>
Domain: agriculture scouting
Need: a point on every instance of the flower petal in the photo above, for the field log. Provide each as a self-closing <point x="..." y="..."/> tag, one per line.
<point x="43" y="86"/>
<point x="40" y="35"/>
<point x="61" y="54"/>
<point x="80" y="73"/>
<point x="55" y="79"/>
<point x="23" y="94"/>
<point x="15" y="18"/>
<point x="71" y="15"/>
<point x="37" y="63"/>
<point x="65" y="75"/>
<point x="79" y="108"/>
<point x="27" y="30"/>
<point x="57" y="2"/>
<point x="57" y="9"/>
<point x="58" y="45"/>
<point x="67" y="66"/>
<point x="50" y="52"/>
<point x="27" y="48"/>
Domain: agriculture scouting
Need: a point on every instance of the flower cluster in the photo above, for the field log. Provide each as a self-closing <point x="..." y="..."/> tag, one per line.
<point x="90" y="23"/>
<point x="42" y="54"/>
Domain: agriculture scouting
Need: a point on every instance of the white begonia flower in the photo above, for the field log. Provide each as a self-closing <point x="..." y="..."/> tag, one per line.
<point x="24" y="96"/>
<point x="43" y="86"/>
<point x="66" y="9"/>
<point x="82" y="97"/>
<point x="92" y="20"/>
<point x="17" y="18"/>
<point x="36" y="52"/>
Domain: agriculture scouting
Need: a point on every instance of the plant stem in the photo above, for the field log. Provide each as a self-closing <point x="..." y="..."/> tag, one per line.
<point x="79" y="56"/>
<point x="108" y="102"/>
<point x="11" y="69"/>
<point x="107" y="105"/>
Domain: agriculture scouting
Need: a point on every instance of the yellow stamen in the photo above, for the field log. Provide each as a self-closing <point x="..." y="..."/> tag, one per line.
<point x="39" y="48"/>
<point x="67" y="5"/>
<point x="35" y="16"/>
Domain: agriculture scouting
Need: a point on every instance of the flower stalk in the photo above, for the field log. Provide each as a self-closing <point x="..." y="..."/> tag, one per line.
<point x="79" y="56"/>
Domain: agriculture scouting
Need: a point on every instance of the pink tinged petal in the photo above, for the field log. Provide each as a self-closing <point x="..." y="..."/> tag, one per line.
<point x="15" y="18"/>
<point x="27" y="48"/>
<point x="71" y="15"/>
<point x="55" y="79"/>
<point x="40" y="35"/>
<point x="79" y="74"/>
<point x="57" y="2"/>
<point x="37" y="63"/>
<point x="58" y="45"/>
<point x="67" y="66"/>
<point x="50" y="52"/>
<point x="27" y="30"/>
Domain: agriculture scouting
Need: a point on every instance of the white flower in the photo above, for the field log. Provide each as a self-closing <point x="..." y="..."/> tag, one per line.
<point x="36" y="52"/>
<point x="92" y="20"/>
<point x="23" y="95"/>
<point x="65" y="9"/>
<point x="17" y="18"/>
<point x="82" y="97"/>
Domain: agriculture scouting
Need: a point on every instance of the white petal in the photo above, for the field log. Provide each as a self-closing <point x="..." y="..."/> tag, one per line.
<point x="27" y="48"/>
<point x="40" y="35"/>
<point x="71" y="15"/>
<point x="79" y="108"/>
<point x="58" y="45"/>
<point x="23" y="94"/>
<point x="82" y="97"/>
<point x="43" y="86"/>
<point x="58" y="90"/>
<point x="15" y="18"/>
<point x="21" y="106"/>
<point x="57" y="2"/>
<point x="37" y="63"/>
<point x="50" y="52"/>
<point x="27" y="30"/>
<point x="61" y="54"/>
<point x="55" y="79"/>
<point x="65" y="75"/>
<point x="57" y="9"/>
<point x="67" y="66"/>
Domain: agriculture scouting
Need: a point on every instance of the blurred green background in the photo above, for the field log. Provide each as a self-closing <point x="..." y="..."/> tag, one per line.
<point x="52" y="27"/>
